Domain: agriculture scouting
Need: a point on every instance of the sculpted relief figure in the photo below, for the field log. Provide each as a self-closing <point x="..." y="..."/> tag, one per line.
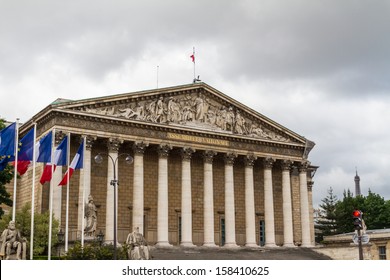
<point x="191" y="109"/>
<point x="138" y="247"/>
<point x="12" y="243"/>
<point x="91" y="217"/>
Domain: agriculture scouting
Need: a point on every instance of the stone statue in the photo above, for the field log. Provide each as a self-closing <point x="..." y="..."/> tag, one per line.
<point x="138" y="247"/>
<point x="91" y="217"/>
<point x="12" y="243"/>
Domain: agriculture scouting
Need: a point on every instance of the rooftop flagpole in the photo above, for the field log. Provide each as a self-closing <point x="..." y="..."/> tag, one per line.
<point x="193" y="60"/>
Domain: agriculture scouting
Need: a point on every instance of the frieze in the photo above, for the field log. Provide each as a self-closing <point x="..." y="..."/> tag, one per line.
<point x="144" y="131"/>
<point x="190" y="110"/>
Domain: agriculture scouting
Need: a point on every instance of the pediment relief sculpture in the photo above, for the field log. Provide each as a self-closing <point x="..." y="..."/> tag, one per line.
<point x="188" y="110"/>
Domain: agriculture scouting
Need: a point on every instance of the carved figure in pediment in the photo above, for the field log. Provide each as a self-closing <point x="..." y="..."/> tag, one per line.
<point x="230" y="119"/>
<point x="258" y="131"/>
<point x="221" y="118"/>
<point x="150" y="109"/>
<point x="126" y="113"/>
<point x="239" y="124"/>
<point x="188" y="110"/>
<point x="159" y="115"/>
<point x="174" y="112"/>
<point x="200" y="108"/>
<point x="139" y="111"/>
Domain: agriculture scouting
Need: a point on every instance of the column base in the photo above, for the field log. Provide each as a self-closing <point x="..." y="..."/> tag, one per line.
<point x="231" y="245"/>
<point x="163" y="244"/>
<point x="209" y="244"/>
<point x="307" y="246"/>
<point x="271" y="245"/>
<point x="187" y="244"/>
<point x="289" y="245"/>
<point x="251" y="245"/>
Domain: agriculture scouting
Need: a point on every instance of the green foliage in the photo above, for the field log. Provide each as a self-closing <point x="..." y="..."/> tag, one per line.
<point x="93" y="251"/>
<point x="5" y="177"/>
<point x="326" y="222"/>
<point x="41" y="229"/>
<point x="376" y="212"/>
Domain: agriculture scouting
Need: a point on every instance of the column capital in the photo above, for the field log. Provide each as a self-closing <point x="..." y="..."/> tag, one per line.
<point x="59" y="135"/>
<point x="186" y="153"/>
<point x="114" y="144"/>
<point x="230" y="157"/>
<point x="139" y="147"/>
<point x="208" y="156"/>
<point x="303" y="166"/>
<point x="268" y="162"/>
<point x="163" y="150"/>
<point x="89" y="140"/>
<point x="250" y="159"/>
<point x="286" y="164"/>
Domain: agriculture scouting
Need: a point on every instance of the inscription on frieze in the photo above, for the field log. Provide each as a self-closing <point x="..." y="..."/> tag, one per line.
<point x="197" y="139"/>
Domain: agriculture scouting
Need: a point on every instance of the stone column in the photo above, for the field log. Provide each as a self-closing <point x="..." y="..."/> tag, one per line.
<point x="208" y="199"/>
<point x="113" y="148"/>
<point x="230" y="221"/>
<point x="304" y="199"/>
<point x="288" y="235"/>
<point x="57" y="177"/>
<point x="250" y="219"/>
<point x="138" y="186"/>
<point x="269" y="218"/>
<point x="186" y="201"/>
<point x="162" y="200"/>
<point x="85" y="182"/>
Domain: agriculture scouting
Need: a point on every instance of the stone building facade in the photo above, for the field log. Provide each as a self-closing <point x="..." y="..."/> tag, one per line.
<point x="207" y="170"/>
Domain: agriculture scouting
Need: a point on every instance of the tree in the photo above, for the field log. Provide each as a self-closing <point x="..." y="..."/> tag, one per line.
<point x="344" y="209"/>
<point x="326" y="222"/>
<point x="376" y="211"/>
<point x="5" y="177"/>
<point x="41" y="228"/>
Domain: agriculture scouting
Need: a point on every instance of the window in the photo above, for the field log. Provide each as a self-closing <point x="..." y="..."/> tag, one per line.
<point x="382" y="252"/>
<point x="262" y="232"/>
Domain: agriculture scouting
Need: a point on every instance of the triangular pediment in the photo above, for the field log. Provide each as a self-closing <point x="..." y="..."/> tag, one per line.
<point x="196" y="106"/>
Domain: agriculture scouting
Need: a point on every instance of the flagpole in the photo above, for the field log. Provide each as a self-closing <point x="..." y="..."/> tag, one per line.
<point x="33" y="195"/>
<point x="16" y="152"/>
<point x="84" y="184"/>
<point x="51" y="195"/>
<point x="193" y="53"/>
<point x="67" y="197"/>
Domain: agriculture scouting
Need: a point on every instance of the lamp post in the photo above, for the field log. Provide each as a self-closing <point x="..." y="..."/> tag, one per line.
<point x="114" y="183"/>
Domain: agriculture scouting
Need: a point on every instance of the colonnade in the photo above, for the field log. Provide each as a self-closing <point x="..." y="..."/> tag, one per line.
<point x="208" y="199"/>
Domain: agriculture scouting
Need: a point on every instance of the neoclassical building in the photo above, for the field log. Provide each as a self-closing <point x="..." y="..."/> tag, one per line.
<point x="207" y="170"/>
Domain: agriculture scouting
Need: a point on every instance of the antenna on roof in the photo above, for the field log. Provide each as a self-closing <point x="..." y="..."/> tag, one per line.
<point x="157" y="75"/>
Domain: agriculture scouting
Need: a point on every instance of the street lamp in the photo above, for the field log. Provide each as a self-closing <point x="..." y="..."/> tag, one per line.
<point x="129" y="160"/>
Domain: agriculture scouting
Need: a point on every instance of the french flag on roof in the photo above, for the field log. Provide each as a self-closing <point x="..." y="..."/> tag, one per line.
<point x="58" y="160"/>
<point x="77" y="163"/>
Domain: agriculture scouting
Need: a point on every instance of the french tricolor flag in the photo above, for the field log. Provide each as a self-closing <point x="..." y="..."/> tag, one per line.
<point x="77" y="163"/>
<point x="58" y="160"/>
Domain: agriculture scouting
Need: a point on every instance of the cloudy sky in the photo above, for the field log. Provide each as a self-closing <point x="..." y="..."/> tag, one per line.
<point x="320" y="68"/>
